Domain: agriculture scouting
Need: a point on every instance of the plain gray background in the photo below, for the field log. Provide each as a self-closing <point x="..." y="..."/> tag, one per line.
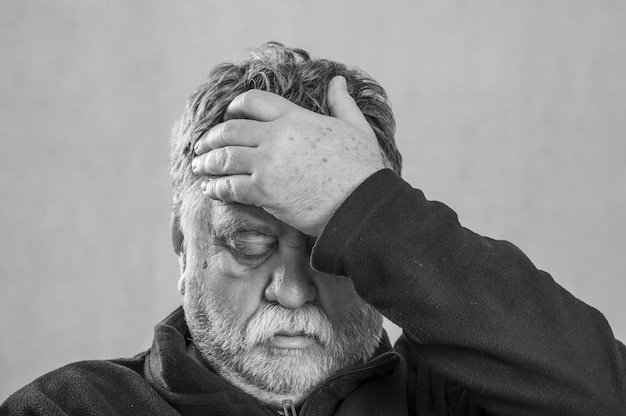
<point x="513" y="113"/>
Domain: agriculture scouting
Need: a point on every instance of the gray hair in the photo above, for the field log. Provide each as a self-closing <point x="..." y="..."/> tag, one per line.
<point x="288" y="72"/>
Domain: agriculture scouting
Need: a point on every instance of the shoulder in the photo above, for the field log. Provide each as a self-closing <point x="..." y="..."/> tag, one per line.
<point x="96" y="374"/>
<point x="94" y="387"/>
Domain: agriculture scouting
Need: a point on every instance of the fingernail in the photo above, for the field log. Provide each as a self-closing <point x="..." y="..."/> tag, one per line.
<point x="203" y="186"/>
<point x="196" y="148"/>
<point x="194" y="165"/>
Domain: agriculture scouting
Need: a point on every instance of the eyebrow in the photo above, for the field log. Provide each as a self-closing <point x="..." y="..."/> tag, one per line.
<point x="236" y="223"/>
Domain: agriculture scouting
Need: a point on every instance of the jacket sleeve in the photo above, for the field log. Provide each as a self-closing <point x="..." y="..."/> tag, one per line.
<point x="95" y="388"/>
<point x="475" y="310"/>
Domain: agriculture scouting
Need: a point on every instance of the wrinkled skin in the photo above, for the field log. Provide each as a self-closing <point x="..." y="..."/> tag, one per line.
<point x="260" y="315"/>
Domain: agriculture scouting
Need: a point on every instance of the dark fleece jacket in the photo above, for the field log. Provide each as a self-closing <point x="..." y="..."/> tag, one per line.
<point x="486" y="333"/>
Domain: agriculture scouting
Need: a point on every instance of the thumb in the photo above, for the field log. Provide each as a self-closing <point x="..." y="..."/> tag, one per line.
<point x="342" y="105"/>
<point x="258" y="105"/>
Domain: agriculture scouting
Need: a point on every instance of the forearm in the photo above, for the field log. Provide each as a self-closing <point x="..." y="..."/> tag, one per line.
<point x="476" y="309"/>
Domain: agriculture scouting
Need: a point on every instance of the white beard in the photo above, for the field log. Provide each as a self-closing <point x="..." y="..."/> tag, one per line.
<point x="243" y="354"/>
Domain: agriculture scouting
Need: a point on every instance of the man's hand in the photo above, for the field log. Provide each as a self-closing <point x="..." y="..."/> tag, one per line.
<point x="296" y="164"/>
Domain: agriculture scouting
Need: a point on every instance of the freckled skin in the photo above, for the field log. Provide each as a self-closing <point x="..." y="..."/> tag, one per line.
<point x="264" y="175"/>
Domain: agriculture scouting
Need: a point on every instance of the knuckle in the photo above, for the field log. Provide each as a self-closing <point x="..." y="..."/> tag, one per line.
<point x="248" y="99"/>
<point x="218" y="161"/>
<point x="226" y="158"/>
<point x="248" y="96"/>
<point x="226" y="132"/>
<point x="237" y="192"/>
<point x="224" y="189"/>
<point x="259" y="182"/>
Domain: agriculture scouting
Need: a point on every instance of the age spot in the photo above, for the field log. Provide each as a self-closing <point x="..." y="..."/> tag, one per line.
<point x="291" y="139"/>
<point x="324" y="160"/>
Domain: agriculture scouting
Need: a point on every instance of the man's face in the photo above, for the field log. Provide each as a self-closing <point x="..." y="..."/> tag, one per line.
<point x="258" y="312"/>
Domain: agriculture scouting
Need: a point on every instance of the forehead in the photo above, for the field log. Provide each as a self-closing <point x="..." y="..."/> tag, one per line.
<point x="229" y="216"/>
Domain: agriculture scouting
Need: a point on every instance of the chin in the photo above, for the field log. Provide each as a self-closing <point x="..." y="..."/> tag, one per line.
<point x="301" y="371"/>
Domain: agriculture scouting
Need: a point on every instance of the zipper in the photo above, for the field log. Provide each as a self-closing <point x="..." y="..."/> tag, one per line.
<point x="368" y="366"/>
<point x="289" y="409"/>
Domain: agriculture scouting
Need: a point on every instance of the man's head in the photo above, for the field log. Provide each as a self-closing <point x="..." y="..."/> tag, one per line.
<point x="259" y="314"/>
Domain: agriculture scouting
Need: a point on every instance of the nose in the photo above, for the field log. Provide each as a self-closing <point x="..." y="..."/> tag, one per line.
<point x="291" y="286"/>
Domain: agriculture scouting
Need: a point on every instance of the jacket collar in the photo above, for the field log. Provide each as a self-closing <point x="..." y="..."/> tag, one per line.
<point x="190" y="386"/>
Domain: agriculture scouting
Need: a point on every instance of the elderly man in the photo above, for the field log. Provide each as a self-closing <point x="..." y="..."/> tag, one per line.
<point x="295" y="234"/>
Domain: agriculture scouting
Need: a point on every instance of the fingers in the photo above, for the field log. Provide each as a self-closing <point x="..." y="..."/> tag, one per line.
<point x="342" y="105"/>
<point x="230" y="133"/>
<point x="235" y="188"/>
<point x="231" y="160"/>
<point x="258" y="105"/>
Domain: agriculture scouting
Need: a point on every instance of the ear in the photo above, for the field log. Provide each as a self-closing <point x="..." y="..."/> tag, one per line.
<point x="176" y="234"/>
<point x="182" y="262"/>
<point x="181" y="279"/>
<point x="177" y="243"/>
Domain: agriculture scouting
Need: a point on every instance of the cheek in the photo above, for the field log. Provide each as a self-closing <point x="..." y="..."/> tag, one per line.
<point x="237" y="290"/>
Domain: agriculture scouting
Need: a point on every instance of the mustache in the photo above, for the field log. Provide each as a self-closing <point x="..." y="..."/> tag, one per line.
<point x="274" y="319"/>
